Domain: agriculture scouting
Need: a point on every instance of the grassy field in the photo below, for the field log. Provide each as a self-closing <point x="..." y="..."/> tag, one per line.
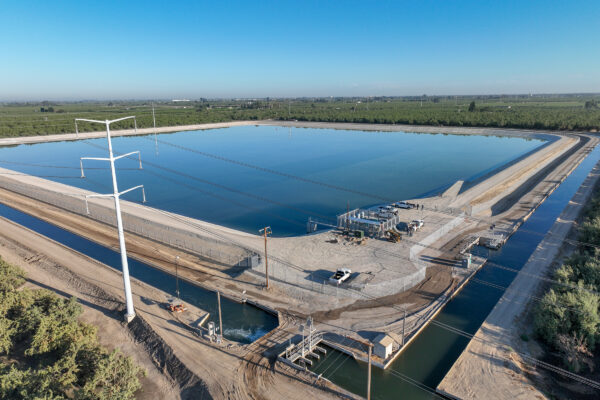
<point x="557" y="112"/>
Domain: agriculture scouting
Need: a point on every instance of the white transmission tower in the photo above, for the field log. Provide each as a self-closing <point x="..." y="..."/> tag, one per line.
<point x="116" y="194"/>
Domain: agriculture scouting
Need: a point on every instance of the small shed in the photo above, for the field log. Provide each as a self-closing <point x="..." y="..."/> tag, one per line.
<point x="383" y="346"/>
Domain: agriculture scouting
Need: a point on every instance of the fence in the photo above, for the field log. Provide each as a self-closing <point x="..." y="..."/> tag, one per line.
<point x="301" y="285"/>
<point x="103" y="210"/>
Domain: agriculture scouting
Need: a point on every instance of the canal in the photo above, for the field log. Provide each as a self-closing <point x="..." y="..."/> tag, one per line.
<point x="242" y="322"/>
<point x="425" y="362"/>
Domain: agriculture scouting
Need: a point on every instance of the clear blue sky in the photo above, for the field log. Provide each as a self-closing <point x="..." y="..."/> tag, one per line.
<point x="171" y="49"/>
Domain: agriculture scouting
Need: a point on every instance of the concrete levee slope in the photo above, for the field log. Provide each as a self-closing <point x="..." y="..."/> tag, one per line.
<point x="136" y="218"/>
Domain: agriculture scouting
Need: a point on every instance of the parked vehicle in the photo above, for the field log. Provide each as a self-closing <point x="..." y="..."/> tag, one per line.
<point x="402" y="204"/>
<point x="418" y="223"/>
<point x="385" y="215"/>
<point x="340" y="275"/>
<point x="176" y="307"/>
<point x="394" y="236"/>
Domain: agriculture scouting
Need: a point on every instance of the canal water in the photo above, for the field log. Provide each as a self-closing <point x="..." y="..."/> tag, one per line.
<point x="393" y="165"/>
<point x="431" y="355"/>
<point x="242" y="323"/>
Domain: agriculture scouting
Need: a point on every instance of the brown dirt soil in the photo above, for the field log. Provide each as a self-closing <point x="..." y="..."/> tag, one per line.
<point x="180" y="364"/>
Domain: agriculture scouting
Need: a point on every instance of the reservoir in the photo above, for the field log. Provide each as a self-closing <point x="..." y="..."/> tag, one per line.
<point x="219" y="175"/>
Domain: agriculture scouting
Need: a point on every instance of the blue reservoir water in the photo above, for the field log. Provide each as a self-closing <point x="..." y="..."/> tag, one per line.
<point x="393" y="165"/>
<point x="241" y="322"/>
<point x="431" y="355"/>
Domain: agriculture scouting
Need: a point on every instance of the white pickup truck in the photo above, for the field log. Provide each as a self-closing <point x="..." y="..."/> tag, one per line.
<point x="340" y="275"/>
<point x="417" y="223"/>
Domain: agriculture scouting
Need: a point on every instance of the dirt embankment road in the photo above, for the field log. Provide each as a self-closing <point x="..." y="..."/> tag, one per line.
<point x="11" y="141"/>
<point x="488" y="368"/>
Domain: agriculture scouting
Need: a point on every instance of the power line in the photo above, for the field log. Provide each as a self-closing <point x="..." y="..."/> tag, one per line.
<point x="375" y="248"/>
<point x="274" y="172"/>
<point x="447" y="211"/>
<point x="471" y="335"/>
<point x="61" y="166"/>
<point x="457" y="331"/>
<point x="553" y="368"/>
<point x="493" y="264"/>
<point x="224" y="187"/>
<point x="41" y="176"/>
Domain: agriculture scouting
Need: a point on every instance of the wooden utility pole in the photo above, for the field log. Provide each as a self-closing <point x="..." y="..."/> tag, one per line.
<point x="348" y="217"/>
<point x="369" y="374"/>
<point x="403" y="325"/>
<point x="370" y="347"/>
<point x="266" y="231"/>
<point x="220" y="319"/>
<point x="177" y="276"/>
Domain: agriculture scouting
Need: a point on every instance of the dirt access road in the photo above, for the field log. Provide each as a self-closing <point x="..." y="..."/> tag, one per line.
<point x="183" y="363"/>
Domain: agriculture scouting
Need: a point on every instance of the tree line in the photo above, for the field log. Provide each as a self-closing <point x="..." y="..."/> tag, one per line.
<point x="567" y="319"/>
<point x="570" y="113"/>
<point x="47" y="353"/>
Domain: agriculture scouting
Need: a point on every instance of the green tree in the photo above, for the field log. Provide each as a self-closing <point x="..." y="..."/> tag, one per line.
<point x="54" y="355"/>
<point x="10" y="277"/>
<point x="115" y="378"/>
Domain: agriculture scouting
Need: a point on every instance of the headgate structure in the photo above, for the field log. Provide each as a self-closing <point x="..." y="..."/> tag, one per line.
<point x="307" y="347"/>
<point x="368" y="221"/>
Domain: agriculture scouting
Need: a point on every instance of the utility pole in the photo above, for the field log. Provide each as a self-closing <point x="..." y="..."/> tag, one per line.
<point x="370" y="348"/>
<point x="403" y="325"/>
<point x="348" y="217"/>
<point x="369" y="375"/>
<point x="220" y="319"/>
<point x="266" y="231"/>
<point x="116" y="195"/>
<point x="177" y="276"/>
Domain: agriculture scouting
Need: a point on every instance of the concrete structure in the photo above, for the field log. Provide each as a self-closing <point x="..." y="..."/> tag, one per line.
<point x="384" y="345"/>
